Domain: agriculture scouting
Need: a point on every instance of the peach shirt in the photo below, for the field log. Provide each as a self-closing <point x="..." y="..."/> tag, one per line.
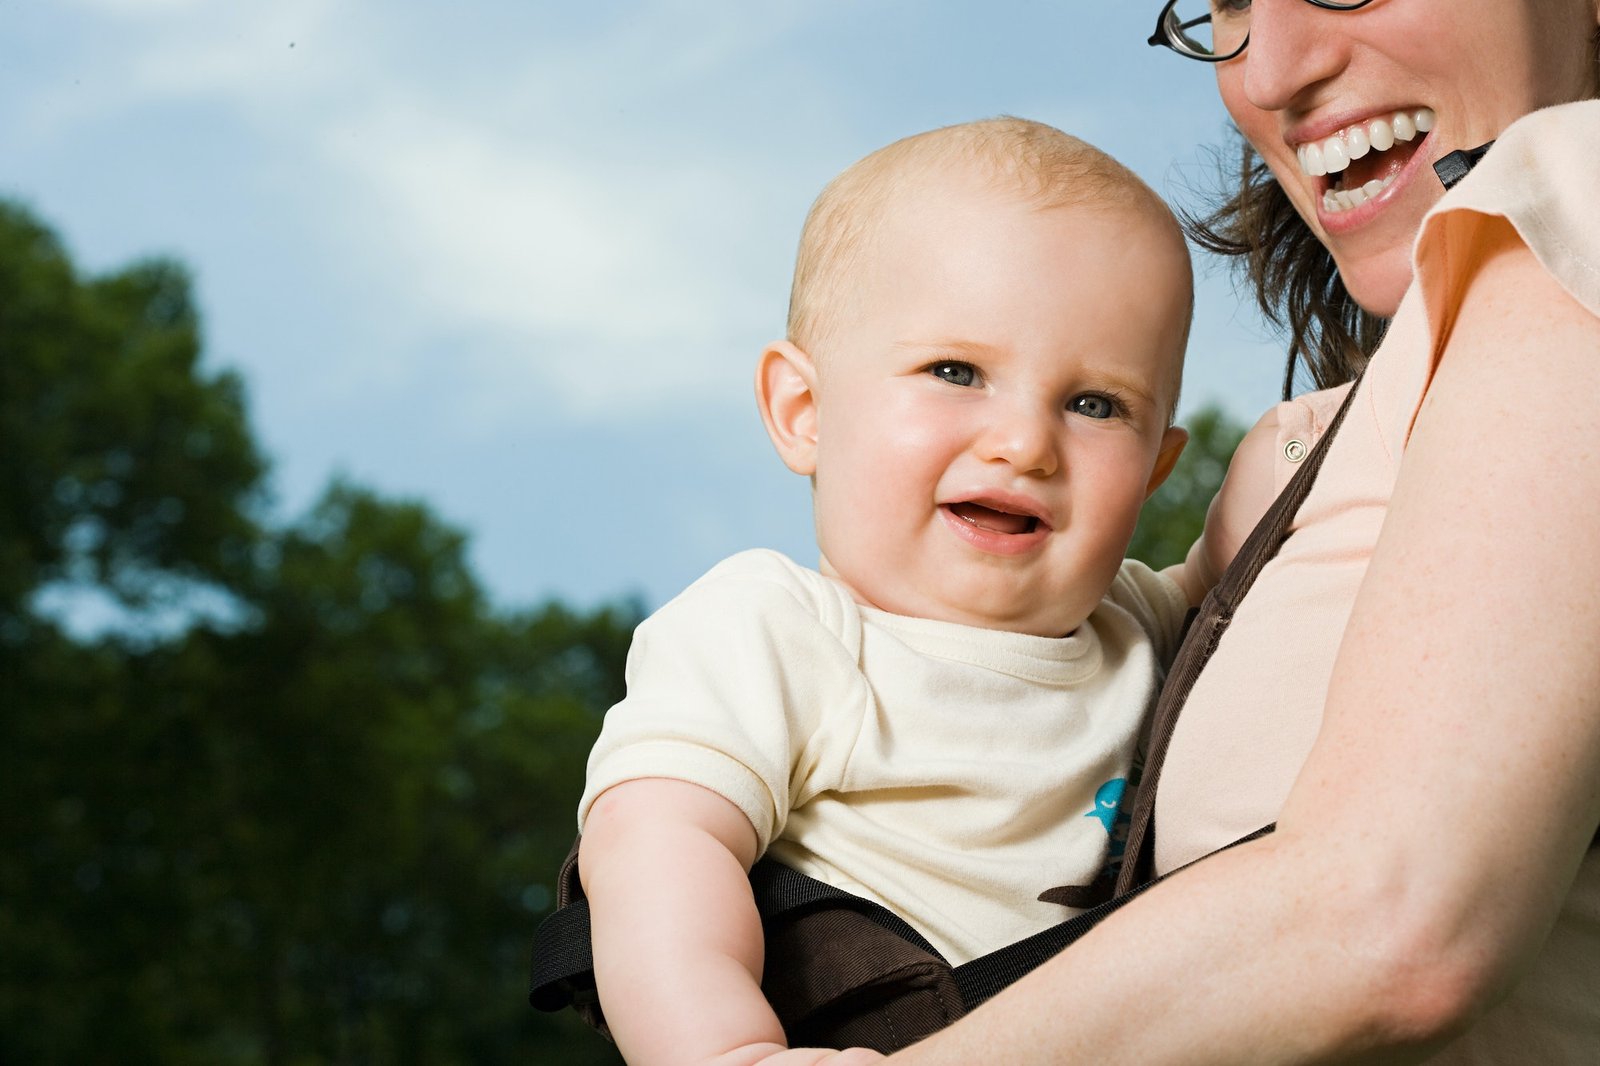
<point x="1254" y="713"/>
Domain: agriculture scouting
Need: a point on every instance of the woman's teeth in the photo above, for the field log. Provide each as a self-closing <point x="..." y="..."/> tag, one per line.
<point x="1336" y="200"/>
<point x="1332" y="155"/>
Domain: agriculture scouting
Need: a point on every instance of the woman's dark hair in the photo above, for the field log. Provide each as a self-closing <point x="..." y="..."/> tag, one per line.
<point x="1296" y="283"/>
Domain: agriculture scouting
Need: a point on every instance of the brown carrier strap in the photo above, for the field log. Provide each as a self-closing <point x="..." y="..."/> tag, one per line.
<point x="1200" y="641"/>
<point x="1201" y="638"/>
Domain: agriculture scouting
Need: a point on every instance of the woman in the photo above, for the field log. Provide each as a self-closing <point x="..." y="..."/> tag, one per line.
<point x="1411" y="690"/>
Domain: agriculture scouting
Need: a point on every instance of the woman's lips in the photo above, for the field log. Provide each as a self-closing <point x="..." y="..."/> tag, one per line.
<point x="1341" y="211"/>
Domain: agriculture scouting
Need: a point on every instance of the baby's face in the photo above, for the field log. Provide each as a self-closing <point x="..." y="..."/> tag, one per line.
<point x="990" y="417"/>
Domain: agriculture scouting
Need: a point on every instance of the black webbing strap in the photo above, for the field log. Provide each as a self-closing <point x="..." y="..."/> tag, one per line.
<point x="563" y="963"/>
<point x="563" y="958"/>
<point x="1204" y="633"/>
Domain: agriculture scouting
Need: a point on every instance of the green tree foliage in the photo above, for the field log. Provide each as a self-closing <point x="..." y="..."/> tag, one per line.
<point x="1173" y="518"/>
<point x="317" y="825"/>
<point x="124" y="465"/>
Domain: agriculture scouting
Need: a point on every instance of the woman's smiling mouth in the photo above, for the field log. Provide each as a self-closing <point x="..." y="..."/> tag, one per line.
<point x="1363" y="159"/>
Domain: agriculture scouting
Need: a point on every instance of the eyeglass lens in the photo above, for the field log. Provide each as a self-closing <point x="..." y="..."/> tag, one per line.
<point x="1209" y="27"/>
<point x="1221" y="28"/>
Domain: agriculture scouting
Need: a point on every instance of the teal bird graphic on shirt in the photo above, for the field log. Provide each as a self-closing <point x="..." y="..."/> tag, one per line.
<point x="1106" y="801"/>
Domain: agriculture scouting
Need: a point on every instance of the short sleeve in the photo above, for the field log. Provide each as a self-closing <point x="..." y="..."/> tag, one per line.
<point x="1156" y="603"/>
<point x="1541" y="176"/>
<point x="1301" y="423"/>
<point x="729" y="684"/>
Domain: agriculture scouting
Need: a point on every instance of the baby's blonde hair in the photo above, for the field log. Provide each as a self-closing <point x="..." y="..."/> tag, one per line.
<point x="1046" y="167"/>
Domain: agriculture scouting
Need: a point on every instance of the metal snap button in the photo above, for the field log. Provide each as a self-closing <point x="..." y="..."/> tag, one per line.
<point x="1295" y="450"/>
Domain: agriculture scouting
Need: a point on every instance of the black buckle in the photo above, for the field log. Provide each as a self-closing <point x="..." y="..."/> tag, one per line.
<point x="1455" y="166"/>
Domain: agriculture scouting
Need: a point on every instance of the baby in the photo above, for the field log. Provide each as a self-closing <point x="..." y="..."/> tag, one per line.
<point x="985" y="341"/>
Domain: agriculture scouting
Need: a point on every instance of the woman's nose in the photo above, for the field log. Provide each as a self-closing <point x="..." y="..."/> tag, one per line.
<point x="1294" y="46"/>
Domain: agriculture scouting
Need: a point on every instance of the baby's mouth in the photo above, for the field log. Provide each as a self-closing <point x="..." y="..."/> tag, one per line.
<point x="987" y="518"/>
<point x="1363" y="159"/>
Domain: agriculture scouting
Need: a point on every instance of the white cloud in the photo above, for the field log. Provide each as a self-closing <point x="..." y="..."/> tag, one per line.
<point x="525" y="209"/>
<point x="534" y="241"/>
<point x="133" y="57"/>
<point x="246" y="54"/>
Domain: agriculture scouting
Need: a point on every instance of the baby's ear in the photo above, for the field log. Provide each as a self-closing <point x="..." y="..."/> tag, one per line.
<point x="1172" y="442"/>
<point x="786" y="393"/>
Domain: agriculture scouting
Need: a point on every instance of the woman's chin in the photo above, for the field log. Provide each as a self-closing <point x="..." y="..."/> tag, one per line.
<point x="1378" y="284"/>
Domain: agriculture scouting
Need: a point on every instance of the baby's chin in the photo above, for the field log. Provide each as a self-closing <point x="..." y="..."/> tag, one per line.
<point x="914" y="604"/>
<point x="1024" y="625"/>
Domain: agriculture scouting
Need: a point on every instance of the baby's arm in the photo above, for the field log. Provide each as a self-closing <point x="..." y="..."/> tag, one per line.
<point x="677" y="939"/>
<point x="1246" y="493"/>
<point x="1263" y="465"/>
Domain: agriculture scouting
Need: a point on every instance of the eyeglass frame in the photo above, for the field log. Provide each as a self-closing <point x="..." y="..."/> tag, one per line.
<point x="1162" y="39"/>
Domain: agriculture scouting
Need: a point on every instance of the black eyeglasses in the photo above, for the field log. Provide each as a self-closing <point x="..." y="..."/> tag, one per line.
<point x="1215" y="30"/>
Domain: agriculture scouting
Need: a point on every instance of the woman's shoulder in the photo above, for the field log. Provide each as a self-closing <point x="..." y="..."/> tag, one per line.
<point x="1564" y="132"/>
<point x="1539" y="161"/>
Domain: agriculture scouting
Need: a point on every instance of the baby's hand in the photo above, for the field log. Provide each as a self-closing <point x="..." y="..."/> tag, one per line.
<point x="773" y="1055"/>
<point x="816" y="1056"/>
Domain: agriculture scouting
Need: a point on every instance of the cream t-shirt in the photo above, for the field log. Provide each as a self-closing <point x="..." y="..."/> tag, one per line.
<point x="1254" y="713"/>
<point x="947" y="772"/>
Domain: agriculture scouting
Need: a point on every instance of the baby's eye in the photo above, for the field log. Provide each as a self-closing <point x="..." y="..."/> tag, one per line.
<point x="1093" y="405"/>
<point x="964" y="374"/>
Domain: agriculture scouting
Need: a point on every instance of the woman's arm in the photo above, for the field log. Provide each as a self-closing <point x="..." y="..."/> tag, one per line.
<point x="676" y="936"/>
<point x="1429" y="840"/>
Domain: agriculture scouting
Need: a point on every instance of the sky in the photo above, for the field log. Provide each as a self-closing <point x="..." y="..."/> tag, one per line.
<point x="517" y="258"/>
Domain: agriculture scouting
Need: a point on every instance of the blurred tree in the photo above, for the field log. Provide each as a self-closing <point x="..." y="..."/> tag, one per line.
<point x="125" y="465"/>
<point x="393" y="799"/>
<point x="129" y="472"/>
<point x="1173" y="518"/>
<point x="316" y="826"/>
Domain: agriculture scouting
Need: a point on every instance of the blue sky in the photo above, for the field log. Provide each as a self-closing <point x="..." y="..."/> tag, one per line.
<point x="517" y="258"/>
